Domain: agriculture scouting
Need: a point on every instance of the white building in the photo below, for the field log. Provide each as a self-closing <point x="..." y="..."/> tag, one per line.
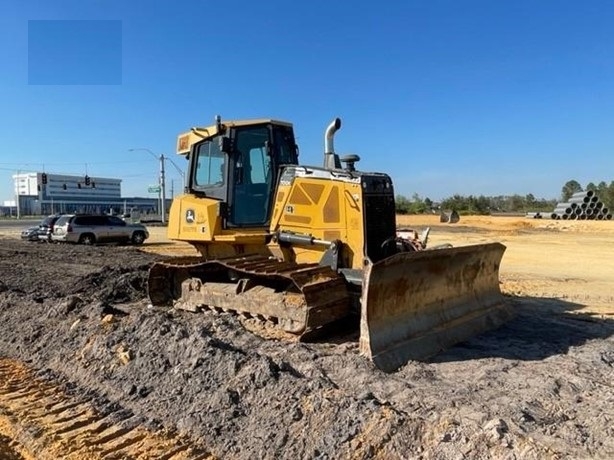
<point x="66" y="187"/>
<point x="25" y="184"/>
<point x="39" y="193"/>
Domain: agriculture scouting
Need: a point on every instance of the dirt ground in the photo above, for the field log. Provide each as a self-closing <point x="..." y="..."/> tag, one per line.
<point x="89" y="370"/>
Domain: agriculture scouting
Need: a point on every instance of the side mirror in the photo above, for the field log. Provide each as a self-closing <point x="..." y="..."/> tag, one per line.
<point x="225" y="144"/>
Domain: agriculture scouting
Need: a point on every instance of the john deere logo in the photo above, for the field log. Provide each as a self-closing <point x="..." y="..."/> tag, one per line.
<point x="184" y="143"/>
<point x="189" y="216"/>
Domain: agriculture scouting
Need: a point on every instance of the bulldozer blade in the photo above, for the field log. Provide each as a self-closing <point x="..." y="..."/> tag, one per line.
<point x="416" y="304"/>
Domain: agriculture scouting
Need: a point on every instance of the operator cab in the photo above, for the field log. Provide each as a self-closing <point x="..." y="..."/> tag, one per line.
<point x="238" y="163"/>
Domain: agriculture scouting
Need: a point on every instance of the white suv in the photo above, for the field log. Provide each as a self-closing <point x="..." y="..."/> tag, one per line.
<point x="91" y="229"/>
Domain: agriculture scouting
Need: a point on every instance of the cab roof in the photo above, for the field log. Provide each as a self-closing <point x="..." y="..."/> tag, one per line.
<point x="187" y="139"/>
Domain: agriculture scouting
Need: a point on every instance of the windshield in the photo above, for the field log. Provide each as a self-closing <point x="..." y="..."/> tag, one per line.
<point x="210" y="163"/>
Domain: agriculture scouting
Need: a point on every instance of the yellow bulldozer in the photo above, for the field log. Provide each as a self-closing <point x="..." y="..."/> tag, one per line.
<point x="306" y="247"/>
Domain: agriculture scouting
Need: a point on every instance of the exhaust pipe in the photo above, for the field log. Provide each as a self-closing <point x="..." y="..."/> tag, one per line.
<point x="330" y="134"/>
<point x="331" y="159"/>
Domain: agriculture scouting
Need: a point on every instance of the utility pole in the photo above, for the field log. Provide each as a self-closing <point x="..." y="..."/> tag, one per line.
<point x="162" y="188"/>
<point x="159" y="205"/>
<point x="17" y="195"/>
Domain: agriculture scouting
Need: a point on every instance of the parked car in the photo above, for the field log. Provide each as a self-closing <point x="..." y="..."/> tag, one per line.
<point x="91" y="229"/>
<point x="42" y="231"/>
<point x="30" y="233"/>
<point x="46" y="227"/>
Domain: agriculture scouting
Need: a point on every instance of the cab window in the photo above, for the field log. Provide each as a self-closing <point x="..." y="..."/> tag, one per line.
<point x="209" y="165"/>
<point x="286" y="146"/>
<point x="259" y="165"/>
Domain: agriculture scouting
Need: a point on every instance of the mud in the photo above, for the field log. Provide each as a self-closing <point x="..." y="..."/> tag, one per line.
<point x="7" y="451"/>
<point x="539" y="387"/>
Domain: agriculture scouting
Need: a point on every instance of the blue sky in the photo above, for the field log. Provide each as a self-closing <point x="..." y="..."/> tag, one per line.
<point x="468" y="97"/>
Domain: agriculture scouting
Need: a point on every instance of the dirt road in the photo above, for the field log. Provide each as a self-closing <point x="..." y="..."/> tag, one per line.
<point x="128" y="381"/>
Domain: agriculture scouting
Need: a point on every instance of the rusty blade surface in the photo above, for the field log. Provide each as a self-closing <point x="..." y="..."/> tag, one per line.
<point x="414" y="305"/>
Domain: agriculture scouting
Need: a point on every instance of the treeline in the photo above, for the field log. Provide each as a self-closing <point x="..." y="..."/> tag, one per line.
<point x="474" y="204"/>
<point x="503" y="203"/>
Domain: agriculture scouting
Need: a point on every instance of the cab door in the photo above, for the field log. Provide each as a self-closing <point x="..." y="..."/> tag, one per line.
<point x="251" y="178"/>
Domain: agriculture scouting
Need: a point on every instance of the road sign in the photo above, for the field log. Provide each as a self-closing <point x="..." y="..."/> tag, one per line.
<point x="153" y="189"/>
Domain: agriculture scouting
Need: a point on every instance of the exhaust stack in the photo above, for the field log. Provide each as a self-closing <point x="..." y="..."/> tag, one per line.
<point x="331" y="159"/>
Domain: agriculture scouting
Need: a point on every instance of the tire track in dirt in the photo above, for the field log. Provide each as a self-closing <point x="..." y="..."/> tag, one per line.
<point x="12" y="450"/>
<point x="39" y="420"/>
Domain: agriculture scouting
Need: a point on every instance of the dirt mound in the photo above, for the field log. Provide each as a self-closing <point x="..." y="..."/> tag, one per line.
<point x="537" y="387"/>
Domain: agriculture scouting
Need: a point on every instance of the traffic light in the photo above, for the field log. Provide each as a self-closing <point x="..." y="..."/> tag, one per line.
<point x="44" y="178"/>
<point x="93" y="184"/>
<point x="79" y="185"/>
<point x="87" y="180"/>
<point x="64" y="186"/>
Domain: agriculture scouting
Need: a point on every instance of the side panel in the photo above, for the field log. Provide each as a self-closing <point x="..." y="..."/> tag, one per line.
<point x="197" y="221"/>
<point x="324" y="208"/>
<point x="194" y="219"/>
<point x="416" y="304"/>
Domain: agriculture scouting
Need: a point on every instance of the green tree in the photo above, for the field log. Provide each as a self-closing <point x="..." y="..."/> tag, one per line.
<point x="544" y="205"/>
<point x="479" y="204"/>
<point x="517" y="203"/>
<point x="602" y="190"/>
<point x="590" y="186"/>
<point x="604" y="194"/>
<point x="609" y="198"/>
<point x="402" y="204"/>
<point x="570" y="187"/>
<point x="455" y="202"/>
<point x="417" y="205"/>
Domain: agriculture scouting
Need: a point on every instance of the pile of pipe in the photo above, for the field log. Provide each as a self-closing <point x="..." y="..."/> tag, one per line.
<point x="449" y="217"/>
<point x="582" y="206"/>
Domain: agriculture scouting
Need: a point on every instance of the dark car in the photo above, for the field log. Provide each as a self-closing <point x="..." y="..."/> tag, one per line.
<point x="91" y="229"/>
<point x="46" y="227"/>
<point x="41" y="232"/>
<point x="30" y="233"/>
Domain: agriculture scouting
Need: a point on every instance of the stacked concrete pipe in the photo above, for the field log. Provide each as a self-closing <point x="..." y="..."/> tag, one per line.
<point x="582" y="206"/>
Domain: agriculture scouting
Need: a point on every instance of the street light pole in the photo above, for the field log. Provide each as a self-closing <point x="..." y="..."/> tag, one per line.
<point x="163" y="188"/>
<point x="17" y="201"/>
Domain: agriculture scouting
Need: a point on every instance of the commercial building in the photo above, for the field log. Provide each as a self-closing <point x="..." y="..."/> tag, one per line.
<point x="40" y="193"/>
